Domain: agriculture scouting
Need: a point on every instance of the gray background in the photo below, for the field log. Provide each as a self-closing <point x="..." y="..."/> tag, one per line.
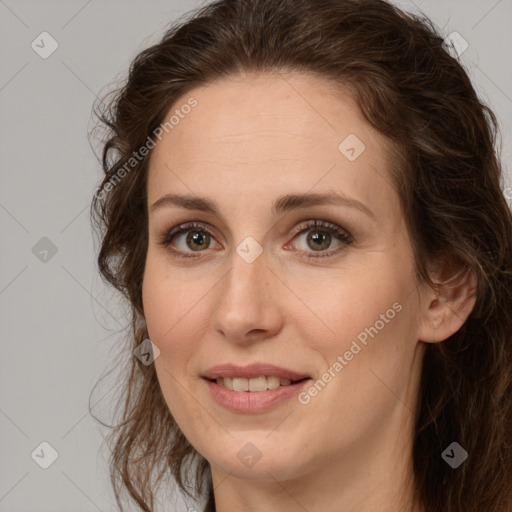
<point x="61" y="327"/>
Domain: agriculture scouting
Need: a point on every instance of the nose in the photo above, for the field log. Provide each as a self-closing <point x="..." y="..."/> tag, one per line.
<point x="246" y="307"/>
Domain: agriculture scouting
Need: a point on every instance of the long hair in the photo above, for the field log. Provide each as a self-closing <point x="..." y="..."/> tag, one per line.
<point x="447" y="173"/>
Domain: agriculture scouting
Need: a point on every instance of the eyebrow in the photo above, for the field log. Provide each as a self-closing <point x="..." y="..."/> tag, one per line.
<point x="286" y="203"/>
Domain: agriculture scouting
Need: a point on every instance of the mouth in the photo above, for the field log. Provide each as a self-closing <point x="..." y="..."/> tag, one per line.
<point x="255" y="388"/>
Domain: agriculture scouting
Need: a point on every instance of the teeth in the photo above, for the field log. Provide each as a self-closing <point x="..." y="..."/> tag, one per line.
<point x="228" y="382"/>
<point x="273" y="382"/>
<point x="240" y="384"/>
<point x="256" y="384"/>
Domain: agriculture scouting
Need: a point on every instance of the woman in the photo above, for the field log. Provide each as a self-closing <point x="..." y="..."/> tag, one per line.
<point x="302" y="205"/>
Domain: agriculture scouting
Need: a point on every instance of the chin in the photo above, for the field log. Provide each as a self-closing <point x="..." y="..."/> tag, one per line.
<point x="249" y="457"/>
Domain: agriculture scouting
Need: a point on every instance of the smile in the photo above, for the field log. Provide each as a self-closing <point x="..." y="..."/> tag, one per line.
<point x="252" y="389"/>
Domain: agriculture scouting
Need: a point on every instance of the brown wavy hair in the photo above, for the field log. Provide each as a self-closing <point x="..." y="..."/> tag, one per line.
<point x="448" y="176"/>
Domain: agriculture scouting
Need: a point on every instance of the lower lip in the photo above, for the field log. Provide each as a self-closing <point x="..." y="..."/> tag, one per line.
<point x="248" y="402"/>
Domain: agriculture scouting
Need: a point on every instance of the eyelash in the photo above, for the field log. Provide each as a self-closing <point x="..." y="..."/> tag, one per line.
<point x="339" y="234"/>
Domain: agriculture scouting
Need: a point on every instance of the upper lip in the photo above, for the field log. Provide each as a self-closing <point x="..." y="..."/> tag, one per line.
<point x="252" y="371"/>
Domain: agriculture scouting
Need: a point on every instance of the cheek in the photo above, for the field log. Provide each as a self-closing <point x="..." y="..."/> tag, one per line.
<point x="176" y="311"/>
<point x="338" y="306"/>
<point x="367" y="318"/>
<point x="169" y="304"/>
<point x="171" y="308"/>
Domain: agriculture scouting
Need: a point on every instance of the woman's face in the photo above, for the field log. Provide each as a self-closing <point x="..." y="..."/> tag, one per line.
<point x="255" y="282"/>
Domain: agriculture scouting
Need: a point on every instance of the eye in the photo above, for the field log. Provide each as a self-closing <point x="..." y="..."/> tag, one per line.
<point x="320" y="235"/>
<point x="189" y="238"/>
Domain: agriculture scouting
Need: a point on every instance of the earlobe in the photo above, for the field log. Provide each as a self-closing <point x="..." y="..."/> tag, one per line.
<point x="449" y="304"/>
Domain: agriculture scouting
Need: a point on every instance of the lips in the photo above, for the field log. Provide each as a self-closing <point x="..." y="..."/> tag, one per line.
<point x="252" y="389"/>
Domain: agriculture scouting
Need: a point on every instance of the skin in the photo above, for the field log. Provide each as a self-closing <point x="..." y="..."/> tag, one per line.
<point x="250" y="140"/>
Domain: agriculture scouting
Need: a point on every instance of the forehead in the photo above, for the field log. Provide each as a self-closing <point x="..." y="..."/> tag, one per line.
<point x="279" y="131"/>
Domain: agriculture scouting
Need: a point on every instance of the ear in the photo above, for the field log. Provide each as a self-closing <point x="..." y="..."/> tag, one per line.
<point x="447" y="306"/>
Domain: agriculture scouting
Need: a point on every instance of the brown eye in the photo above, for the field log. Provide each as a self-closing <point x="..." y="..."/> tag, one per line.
<point x="188" y="240"/>
<point x="315" y="239"/>
<point x="319" y="240"/>
<point x="198" y="240"/>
